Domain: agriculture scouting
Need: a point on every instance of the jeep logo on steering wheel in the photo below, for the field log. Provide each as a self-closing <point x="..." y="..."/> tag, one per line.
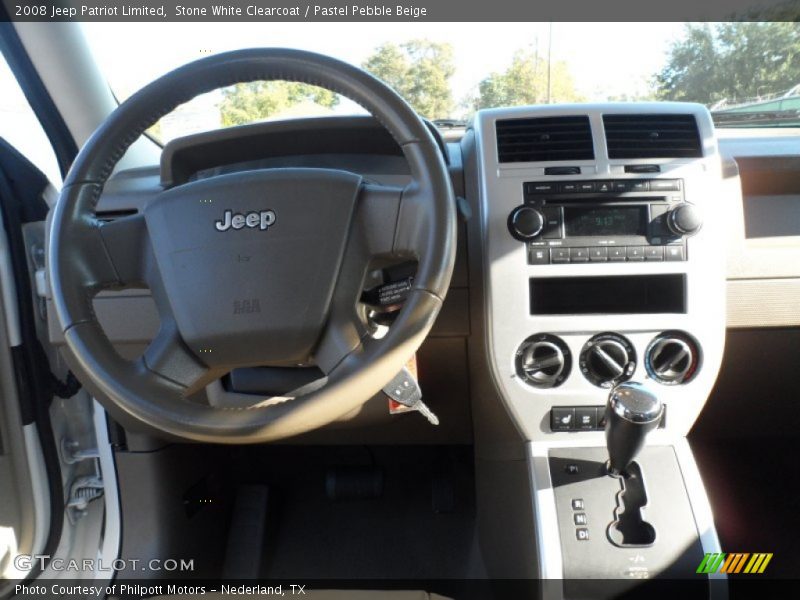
<point x="230" y="220"/>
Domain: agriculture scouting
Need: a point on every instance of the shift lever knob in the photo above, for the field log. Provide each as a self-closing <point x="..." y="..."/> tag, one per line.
<point x="632" y="412"/>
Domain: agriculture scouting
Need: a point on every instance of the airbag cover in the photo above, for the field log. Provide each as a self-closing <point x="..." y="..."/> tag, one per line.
<point x="249" y="261"/>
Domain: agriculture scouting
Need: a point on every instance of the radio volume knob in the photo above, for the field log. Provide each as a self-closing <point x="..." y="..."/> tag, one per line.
<point x="525" y="223"/>
<point x="684" y="219"/>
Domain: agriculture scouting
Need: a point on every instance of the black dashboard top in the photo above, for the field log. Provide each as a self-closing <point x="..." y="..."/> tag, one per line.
<point x="253" y="146"/>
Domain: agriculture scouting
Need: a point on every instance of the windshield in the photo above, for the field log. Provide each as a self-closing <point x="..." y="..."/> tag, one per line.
<point x="748" y="74"/>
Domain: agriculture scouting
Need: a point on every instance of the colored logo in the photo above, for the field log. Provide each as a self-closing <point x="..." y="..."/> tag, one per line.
<point x="736" y="562"/>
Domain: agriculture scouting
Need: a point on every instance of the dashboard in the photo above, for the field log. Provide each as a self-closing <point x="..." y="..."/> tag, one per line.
<point x="583" y="260"/>
<point x="599" y="265"/>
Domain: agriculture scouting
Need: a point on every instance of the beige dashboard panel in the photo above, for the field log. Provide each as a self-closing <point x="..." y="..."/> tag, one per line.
<point x="763" y="273"/>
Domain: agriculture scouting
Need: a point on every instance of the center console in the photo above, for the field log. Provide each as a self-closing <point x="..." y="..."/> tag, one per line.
<point x="603" y="263"/>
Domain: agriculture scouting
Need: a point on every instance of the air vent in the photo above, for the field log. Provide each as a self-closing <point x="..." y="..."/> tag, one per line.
<point x="652" y="136"/>
<point x="545" y="139"/>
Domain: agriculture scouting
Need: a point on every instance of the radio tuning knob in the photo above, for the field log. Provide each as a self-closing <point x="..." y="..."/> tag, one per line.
<point x="684" y="219"/>
<point x="525" y="223"/>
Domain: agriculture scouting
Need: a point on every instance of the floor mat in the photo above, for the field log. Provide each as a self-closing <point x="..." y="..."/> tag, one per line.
<point x="398" y="535"/>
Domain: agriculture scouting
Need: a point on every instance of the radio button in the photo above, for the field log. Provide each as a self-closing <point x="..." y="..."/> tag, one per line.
<point x="540" y="188"/>
<point x="674" y="253"/>
<point x="616" y="253"/>
<point x="658" y="221"/>
<point x="665" y="185"/>
<point x="598" y="254"/>
<point x="552" y="223"/>
<point x="568" y="188"/>
<point x="586" y="186"/>
<point x="635" y="252"/>
<point x="605" y="186"/>
<point x="654" y="253"/>
<point x="639" y="186"/>
<point x="622" y="186"/>
<point x="559" y="255"/>
<point x="538" y="255"/>
<point x="579" y="255"/>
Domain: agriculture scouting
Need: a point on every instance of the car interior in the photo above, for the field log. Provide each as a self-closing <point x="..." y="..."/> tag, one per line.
<point x="550" y="353"/>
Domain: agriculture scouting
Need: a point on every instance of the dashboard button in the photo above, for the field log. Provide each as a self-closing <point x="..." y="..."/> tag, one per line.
<point x="540" y="188"/>
<point x="635" y="252"/>
<point x="658" y="221"/>
<point x="538" y="255"/>
<point x="598" y="254"/>
<point x="654" y="253"/>
<point x="616" y="253"/>
<point x="605" y="186"/>
<point x="674" y="253"/>
<point x="552" y="223"/>
<point x="639" y="186"/>
<point x="579" y="255"/>
<point x="562" y="418"/>
<point x="622" y="186"/>
<point x="568" y="188"/>
<point x="559" y="255"/>
<point x="665" y="185"/>
<point x="586" y="186"/>
<point x="586" y="417"/>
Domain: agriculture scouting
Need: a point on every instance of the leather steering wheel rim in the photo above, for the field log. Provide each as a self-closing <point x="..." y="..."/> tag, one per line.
<point x="85" y="258"/>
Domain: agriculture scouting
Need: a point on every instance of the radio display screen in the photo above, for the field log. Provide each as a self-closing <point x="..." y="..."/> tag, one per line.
<point x="605" y="220"/>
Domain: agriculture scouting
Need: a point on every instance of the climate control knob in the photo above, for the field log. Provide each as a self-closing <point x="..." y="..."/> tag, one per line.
<point x="543" y="361"/>
<point x="608" y="359"/>
<point x="525" y="223"/>
<point x="684" y="219"/>
<point x="672" y="358"/>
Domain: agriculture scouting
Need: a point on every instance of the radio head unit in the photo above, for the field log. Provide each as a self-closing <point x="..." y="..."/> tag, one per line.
<point x="606" y="220"/>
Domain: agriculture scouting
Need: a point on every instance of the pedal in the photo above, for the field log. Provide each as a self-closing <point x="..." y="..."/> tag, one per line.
<point x="354" y="483"/>
<point x="245" y="546"/>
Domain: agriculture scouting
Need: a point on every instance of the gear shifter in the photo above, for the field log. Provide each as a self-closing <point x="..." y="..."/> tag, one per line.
<point x="632" y="412"/>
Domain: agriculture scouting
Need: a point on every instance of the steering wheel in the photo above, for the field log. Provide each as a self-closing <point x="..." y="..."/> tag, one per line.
<point x="251" y="268"/>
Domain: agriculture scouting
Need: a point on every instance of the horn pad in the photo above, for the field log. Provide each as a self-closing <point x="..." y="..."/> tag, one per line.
<point x="249" y="260"/>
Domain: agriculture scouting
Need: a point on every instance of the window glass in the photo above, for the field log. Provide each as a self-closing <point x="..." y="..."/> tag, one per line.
<point x="20" y="127"/>
<point x="448" y="71"/>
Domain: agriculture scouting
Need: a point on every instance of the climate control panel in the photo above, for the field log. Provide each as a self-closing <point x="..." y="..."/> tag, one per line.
<point x="544" y="360"/>
<point x="672" y="358"/>
<point x="608" y="359"/>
